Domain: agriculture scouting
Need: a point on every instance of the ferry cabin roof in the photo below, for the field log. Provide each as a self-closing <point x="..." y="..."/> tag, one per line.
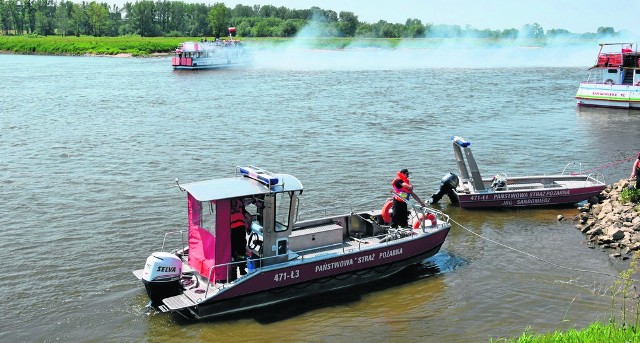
<point x="239" y="186"/>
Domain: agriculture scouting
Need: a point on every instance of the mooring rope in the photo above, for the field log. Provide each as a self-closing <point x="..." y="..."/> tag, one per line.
<point x="540" y="258"/>
<point x="607" y="165"/>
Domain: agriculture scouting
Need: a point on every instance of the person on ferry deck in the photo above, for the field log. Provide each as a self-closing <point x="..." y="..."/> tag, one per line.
<point x="238" y="238"/>
<point x="635" y="171"/>
<point x="402" y="189"/>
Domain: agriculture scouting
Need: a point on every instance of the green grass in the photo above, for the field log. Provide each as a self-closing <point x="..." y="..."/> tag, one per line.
<point x="145" y="46"/>
<point x="71" y="45"/>
<point x="595" y="333"/>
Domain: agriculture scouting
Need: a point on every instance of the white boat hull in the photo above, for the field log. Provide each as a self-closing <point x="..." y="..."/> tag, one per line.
<point x="606" y="95"/>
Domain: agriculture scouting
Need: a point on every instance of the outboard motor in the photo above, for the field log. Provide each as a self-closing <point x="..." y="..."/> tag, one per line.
<point x="161" y="276"/>
<point x="448" y="185"/>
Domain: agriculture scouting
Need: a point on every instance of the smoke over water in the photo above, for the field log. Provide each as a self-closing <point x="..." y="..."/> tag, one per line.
<point x="302" y="53"/>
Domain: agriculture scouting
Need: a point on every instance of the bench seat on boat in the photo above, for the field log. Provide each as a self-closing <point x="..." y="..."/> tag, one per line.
<point x="573" y="184"/>
<point x="525" y="186"/>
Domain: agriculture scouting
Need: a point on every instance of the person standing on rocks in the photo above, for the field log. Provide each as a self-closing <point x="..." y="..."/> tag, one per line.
<point x="635" y="171"/>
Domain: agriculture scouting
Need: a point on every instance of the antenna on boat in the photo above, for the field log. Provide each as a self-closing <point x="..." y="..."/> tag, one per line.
<point x="178" y="184"/>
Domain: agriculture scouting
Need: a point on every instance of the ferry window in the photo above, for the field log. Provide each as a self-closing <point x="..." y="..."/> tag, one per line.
<point x="612" y="71"/>
<point x="208" y="216"/>
<point x="283" y="203"/>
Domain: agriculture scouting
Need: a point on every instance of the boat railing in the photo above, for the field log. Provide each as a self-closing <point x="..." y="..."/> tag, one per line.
<point x="572" y="164"/>
<point x="174" y="233"/>
<point x="598" y="176"/>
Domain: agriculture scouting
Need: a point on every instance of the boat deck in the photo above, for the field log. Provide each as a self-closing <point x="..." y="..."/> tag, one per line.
<point x="194" y="296"/>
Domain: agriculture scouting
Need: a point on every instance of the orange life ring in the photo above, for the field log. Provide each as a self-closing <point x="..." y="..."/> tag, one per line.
<point x="386" y="211"/>
<point x="432" y="220"/>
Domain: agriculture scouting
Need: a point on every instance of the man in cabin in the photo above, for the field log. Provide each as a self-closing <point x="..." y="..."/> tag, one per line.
<point x="635" y="171"/>
<point x="402" y="189"/>
<point x="238" y="238"/>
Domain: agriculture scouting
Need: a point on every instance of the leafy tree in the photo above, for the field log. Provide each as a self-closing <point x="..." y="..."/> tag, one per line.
<point x="143" y="18"/>
<point x="63" y="17"/>
<point x="348" y="23"/>
<point x="218" y="19"/>
<point x="606" y="31"/>
<point x="7" y="7"/>
<point x="196" y="20"/>
<point x="267" y="11"/>
<point x="80" y="19"/>
<point x="97" y="16"/>
<point x="243" y="11"/>
<point x="509" y="33"/>
<point x="557" y="32"/>
<point x="533" y="31"/>
<point x="413" y="28"/>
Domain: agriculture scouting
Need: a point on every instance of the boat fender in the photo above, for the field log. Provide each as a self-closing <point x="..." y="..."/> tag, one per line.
<point x="387" y="210"/>
<point x="432" y="221"/>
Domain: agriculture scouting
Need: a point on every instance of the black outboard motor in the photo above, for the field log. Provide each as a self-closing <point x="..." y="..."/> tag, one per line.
<point x="448" y="185"/>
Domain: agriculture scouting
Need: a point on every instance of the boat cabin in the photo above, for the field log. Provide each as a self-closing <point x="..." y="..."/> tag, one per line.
<point x="272" y="201"/>
<point x="617" y="63"/>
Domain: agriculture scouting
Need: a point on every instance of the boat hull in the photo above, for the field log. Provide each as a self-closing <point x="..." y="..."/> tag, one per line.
<point x="606" y="95"/>
<point x="296" y="281"/>
<point x="528" y="198"/>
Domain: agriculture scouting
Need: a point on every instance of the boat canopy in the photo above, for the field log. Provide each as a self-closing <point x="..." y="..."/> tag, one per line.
<point x="239" y="186"/>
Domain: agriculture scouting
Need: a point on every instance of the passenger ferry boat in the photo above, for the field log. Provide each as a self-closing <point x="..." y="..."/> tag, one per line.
<point x="195" y="276"/>
<point x="614" y="81"/>
<point x="471" y="190"/>
<point x="211" y="54"/>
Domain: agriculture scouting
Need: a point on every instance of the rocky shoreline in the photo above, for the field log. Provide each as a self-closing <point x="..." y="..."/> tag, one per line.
<point x="610" y="224"/>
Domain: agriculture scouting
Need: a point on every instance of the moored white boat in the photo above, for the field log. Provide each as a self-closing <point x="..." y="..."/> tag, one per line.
<point x="289" y="259"/>
<point x="614" y="80"/>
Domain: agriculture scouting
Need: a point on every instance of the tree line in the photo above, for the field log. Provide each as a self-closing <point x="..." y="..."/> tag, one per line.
<point x="178" y="19"/>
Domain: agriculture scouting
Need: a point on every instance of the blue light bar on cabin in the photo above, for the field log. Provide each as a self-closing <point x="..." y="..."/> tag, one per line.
<point x="460" y="141"/>
<point x="259" y="175"/>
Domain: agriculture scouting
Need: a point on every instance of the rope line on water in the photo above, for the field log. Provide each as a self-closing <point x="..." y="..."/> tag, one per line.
<point x="540" y="258"/>
<point x="608" y="165"/>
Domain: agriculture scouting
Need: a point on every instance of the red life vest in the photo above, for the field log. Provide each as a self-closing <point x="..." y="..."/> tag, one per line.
<point x="237" y="220"/>
<point x="402" y="193"/>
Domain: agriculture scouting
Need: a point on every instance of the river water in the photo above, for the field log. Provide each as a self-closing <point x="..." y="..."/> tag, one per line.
<point x="90" y="148"/>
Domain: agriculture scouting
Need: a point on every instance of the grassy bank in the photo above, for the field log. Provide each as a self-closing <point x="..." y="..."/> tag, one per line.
<point x="71" y="45"/>
<point x="145" y="46"/>
<point x="595" y="333"/>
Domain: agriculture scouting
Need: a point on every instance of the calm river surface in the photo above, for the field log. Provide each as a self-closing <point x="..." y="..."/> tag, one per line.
<point x="90" y="148"/>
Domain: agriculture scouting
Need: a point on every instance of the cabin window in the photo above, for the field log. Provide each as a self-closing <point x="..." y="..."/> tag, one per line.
<point x="256" y="209"/>
<point x="612" y="71"/>
<point x="283" y="204"/>
<point x="208" y="216"/>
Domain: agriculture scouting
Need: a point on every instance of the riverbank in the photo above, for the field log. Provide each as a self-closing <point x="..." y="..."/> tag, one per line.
<point x="611" y="223"/>
<point x="136" y="46"/>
